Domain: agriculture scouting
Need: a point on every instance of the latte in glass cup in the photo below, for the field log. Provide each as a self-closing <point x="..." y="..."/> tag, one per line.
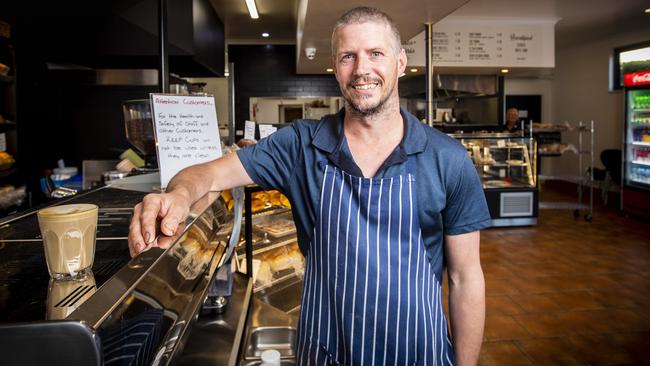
<point x="68" y="233"/>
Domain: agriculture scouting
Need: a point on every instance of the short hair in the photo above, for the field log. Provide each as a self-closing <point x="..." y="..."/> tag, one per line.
<point x="365" y="14"/>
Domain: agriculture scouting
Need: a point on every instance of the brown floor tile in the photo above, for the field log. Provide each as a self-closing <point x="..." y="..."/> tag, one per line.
<point x="502" y="305"/>
<point x="536" y="303"/>
<point x="584" y="287"/>
<point x="503" y="327"/>
<point x="551" y="351"/>
<point x="542" y="325"/>
<point x="604" y="321"/>
<point x="502" y="353"/>
<point x="499" y="286"/>
<point x="619" y="298"/>
<point x="635" y="344"/>
<point x="573" y="300"/>
<point x="600" y="281"/>
<point x="600" y="350"/>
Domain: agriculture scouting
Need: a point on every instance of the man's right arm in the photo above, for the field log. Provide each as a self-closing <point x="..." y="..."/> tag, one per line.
<point x="172" y="207"/>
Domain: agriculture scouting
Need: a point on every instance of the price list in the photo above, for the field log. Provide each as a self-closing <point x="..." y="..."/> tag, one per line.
<point x="491" y="45"/>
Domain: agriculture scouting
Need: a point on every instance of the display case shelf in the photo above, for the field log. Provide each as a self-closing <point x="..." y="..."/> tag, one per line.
<point x="506" y="165"/>
<point x="639" y="162"/>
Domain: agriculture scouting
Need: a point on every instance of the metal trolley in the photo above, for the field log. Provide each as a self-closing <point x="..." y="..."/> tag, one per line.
<point x="585" y="177"/>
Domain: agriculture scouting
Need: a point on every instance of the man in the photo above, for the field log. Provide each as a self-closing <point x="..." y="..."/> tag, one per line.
<point x="512" y="120"/>
<point x="381" y="203"/>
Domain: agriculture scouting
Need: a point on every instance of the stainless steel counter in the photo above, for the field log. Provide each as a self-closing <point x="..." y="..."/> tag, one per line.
<point x="143" y="308"/>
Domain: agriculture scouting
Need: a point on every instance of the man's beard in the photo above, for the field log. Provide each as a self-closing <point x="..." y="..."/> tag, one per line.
<point x="371" y="111"/>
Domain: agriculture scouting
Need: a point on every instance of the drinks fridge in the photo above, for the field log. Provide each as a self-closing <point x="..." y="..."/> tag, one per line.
<point x="635" y="72"/>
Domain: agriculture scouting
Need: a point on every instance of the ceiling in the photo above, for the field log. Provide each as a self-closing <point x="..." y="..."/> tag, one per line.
<point x="309" y="23"/>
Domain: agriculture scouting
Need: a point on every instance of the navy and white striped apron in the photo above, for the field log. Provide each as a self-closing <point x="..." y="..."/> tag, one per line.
<point x="371" y="295"/>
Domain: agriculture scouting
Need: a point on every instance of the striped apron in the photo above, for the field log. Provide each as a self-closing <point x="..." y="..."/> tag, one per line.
<point x="370" y="295"/>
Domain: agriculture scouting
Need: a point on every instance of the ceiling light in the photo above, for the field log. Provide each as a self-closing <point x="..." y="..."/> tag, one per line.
<point x="505" y="71"/>
<point x="330" y="70"/>
<point x="252" y="9"/>
<point x="647" y="11"/>
<point x="265" y="35"/>
<point x="414" y="70"/>
<point x="226" y="74"/>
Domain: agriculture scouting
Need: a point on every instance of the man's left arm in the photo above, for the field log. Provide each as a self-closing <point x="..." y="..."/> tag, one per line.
<point x="466" y="295"/>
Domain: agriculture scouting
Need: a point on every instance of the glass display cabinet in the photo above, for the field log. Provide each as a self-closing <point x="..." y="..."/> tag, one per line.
<point x="507" y="166"/>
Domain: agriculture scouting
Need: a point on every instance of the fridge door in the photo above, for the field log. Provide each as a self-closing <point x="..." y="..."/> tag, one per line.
<point x="637" y="139"/>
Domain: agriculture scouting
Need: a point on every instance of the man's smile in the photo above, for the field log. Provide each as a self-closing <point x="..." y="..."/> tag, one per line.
<point x="364" y="86"/>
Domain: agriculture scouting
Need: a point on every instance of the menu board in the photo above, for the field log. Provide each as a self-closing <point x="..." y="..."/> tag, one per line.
<point x="186" y="130"/>
<point x="486" y="43"/>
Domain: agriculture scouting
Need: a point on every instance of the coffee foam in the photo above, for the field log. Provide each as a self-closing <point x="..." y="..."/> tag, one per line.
<point x="66" y="210"/>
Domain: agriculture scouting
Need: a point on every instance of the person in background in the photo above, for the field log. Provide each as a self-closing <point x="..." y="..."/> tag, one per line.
<point x="382" y="204"/>
<point x="512" y="120"/>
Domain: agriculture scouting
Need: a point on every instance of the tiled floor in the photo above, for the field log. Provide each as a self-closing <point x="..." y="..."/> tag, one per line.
<point x="568" y="292"/>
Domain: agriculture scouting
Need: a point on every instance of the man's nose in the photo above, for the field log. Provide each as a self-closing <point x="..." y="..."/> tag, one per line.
<point x="361" y="66"/>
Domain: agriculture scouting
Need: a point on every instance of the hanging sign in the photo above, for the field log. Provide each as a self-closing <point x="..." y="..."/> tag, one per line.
<point x="187" y="132"/>
<point x="486" y="42"/>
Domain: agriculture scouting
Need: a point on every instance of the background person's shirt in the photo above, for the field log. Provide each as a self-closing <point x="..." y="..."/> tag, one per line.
<point x="449" y="193"/>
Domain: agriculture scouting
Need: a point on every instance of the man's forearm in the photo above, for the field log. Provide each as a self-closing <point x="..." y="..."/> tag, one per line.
<point x="467" y="312"/>
<point x="195" y="181"/>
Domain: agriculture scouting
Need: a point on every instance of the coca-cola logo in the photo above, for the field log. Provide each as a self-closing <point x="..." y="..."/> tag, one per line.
<point x="641" y="78"/>
<point x="637" y="78"/>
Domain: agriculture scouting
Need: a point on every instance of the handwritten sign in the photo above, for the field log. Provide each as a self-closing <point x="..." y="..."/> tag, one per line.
<point x="187" y="132"/>
<point x="266" y="130"/>
<point x="249" y="130"/>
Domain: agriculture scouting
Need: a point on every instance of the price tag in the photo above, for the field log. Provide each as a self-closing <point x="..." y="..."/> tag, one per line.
<point x="187" y="132"/>
<point x="249" y="130"/>
<point x="266" y="130"/>
<point x="501" y="143"/>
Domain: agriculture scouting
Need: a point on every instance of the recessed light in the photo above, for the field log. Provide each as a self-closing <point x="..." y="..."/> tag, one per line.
<point x="414" y="70"/>
<point x="226" y="74"/>
<point x="505" y="71"/>
<point x="330" y="70"/>
<point x="265" y="35"/>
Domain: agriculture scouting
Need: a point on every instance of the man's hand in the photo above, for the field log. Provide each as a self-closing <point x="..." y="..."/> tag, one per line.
<point x="164" y="210"/>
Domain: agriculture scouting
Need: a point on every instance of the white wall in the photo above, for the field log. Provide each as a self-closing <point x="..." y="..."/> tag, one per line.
<point x="577" y="91"/>
<point x="581" y="93"/>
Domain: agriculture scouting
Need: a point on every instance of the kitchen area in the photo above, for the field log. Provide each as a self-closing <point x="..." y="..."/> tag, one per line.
<point x="77" y="127"/>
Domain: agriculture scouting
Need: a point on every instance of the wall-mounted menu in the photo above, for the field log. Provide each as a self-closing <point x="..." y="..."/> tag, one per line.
<point x="186" y="130"/>
<point x="470" y="42"/>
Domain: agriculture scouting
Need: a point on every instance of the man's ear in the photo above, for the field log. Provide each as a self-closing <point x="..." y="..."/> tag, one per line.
<point x="402" y="60"/>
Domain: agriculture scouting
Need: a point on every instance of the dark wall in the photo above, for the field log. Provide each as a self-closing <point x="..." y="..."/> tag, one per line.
<point x="270" y="71"/>
<point x="61" y="117"/>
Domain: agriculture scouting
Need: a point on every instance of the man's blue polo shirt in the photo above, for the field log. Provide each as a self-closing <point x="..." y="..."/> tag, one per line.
<point x="449" y="194"/>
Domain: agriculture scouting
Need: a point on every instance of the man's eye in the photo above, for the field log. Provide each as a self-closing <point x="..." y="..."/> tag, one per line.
<point x="376" y="53"/>
<point x="347" y="57"/>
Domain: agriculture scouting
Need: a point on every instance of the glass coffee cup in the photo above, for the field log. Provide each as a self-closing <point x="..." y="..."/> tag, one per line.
<point x="68" y="233"/>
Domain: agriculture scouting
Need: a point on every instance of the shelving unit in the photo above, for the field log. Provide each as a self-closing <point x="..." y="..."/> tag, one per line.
<point x="12" y="191"/>
<point x="582" y="179"/>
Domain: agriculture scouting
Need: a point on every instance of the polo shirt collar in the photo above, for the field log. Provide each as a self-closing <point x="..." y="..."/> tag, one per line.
<point x="329" y="133"/>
